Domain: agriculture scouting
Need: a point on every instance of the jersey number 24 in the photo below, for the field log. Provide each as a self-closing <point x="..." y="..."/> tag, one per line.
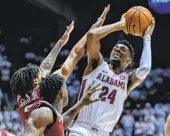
<point x="106" y="94"/>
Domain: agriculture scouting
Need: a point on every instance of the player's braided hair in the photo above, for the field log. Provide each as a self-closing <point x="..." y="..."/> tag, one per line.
<point x="22" y="80"/>
<point x="125" y="42"/>
<point x="50" y="87"/>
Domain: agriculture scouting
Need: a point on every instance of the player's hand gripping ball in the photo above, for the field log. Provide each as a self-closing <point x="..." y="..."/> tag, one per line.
<point x="137" y="20"/>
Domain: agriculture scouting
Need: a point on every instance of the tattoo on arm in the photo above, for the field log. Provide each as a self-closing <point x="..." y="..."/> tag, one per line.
<point x="49" y="61"/>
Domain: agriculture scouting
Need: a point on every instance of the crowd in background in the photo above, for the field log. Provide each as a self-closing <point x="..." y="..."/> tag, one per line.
<point x="140" y="117"/>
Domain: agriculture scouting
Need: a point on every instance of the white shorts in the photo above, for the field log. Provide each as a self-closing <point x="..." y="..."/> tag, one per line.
<point x="85" y="130"/>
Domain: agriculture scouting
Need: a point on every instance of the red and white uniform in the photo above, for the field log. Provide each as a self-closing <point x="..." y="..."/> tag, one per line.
<point x="3" y="133"/>
<point x="100" y="118"/>
<point x="25" y="103"/>
<point x="55" y="129"/>
<point x="34" y="100"/>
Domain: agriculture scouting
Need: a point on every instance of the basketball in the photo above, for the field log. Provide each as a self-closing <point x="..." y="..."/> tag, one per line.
<point x="138" y="19"/>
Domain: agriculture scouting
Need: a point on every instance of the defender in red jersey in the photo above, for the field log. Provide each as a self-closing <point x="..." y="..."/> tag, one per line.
<point x="40" y="117"/>
<point x="26" y="79"/>
<point x="52" y="129"/>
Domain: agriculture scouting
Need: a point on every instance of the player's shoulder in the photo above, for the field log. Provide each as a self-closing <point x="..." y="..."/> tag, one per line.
<point x="42" y="115"/>
<point x="103" y="64"/>
<point x="46" y="104"/>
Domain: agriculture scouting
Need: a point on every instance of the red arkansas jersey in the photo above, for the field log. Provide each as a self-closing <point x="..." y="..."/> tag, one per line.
<point x="56" y="128"/>
<point x="3" y="133"/>
<point x="34" y="100"/>
<point x="25" y="103"/>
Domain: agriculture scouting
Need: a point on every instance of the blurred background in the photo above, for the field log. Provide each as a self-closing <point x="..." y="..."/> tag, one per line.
<point x="30" y="28"/>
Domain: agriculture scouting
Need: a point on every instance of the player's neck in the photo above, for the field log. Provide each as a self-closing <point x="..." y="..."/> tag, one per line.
<point x="116" y="70"/>
<point x="58" y="106"/>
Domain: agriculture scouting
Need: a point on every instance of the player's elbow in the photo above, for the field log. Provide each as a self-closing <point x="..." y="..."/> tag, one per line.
<point x="142" y="72"/>
<point x="90" y="36"/>
<point x="146" y="69"/>
<point x="77" y="52"/>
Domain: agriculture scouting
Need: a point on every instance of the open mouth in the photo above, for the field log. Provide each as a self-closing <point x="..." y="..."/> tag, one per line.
<point x="116" y="55"/>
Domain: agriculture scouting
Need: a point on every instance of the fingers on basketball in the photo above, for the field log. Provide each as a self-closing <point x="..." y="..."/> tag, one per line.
<point x="153" y="20"/>
<point x="153" y="23"/>
<point x="152" y="26"/>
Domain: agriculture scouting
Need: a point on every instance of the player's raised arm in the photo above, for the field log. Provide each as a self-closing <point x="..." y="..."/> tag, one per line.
<point x="79" y="49"/>
<point x="38" y="121"/>
<point x="86" y="100"/>
<point x="139" y="74"/>
<point x="49" y="61"/>
<point x="93" y="43"/>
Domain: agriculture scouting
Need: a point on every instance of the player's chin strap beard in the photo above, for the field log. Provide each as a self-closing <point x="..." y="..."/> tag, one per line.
<point x="115" y="64"/>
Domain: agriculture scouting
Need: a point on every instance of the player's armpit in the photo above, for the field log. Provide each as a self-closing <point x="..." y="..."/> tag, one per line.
<point x="39" y="119"/>
<point x="133" y="82"/>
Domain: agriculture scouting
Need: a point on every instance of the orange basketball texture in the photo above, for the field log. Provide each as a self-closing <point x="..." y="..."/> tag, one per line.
<point x="138" y="19"/>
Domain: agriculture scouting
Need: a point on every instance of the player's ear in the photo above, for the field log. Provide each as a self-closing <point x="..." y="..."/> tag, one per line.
<point x="35" y="81"/>
<point x="61" y="93"/>
<point x="129" y="61"/>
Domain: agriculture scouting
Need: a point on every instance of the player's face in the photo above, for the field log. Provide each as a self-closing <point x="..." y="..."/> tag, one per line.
<point x="120" y="55"/>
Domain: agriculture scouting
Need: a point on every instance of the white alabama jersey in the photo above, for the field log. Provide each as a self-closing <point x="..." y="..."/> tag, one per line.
<point x="105" y="113"/>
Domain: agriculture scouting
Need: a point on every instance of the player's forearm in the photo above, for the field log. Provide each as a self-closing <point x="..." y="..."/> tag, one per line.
<point x="69" y="115"/>
<point x="102" y="32"/>
<point x="49" y="61"/>
<point x="75" y="55"/>
<point x="79" y="48"/>
<point x="146" y="59"/>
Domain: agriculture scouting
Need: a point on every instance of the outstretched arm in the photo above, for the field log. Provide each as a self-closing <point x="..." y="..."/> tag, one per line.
<point x="79" y="49"/>
<point x="139" y="74"/>
<point x="86" y="100"/>
<point x="49" y="61"/>
<point x="38" y="121"/>
<point x="93" y="43"/>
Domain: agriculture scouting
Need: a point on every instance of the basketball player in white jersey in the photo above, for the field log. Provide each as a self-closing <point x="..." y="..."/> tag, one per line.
<point x="100" y="118"/>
